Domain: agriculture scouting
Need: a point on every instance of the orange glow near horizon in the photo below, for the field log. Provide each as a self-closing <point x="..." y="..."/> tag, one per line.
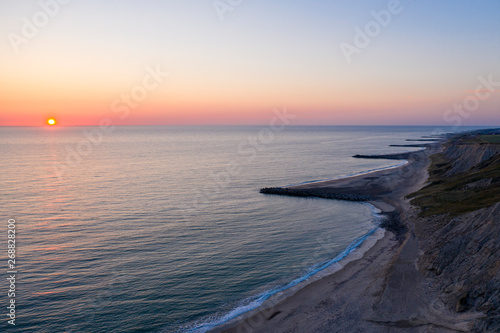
<point x="237" y="75"/>
<point x="51" y="122"/>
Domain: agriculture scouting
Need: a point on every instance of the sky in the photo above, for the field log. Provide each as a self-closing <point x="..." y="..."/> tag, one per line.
<point x="162" y="62"/>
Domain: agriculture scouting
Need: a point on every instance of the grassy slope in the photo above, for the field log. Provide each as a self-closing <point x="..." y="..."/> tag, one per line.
<point x="491" y="138"/>
<point x="449" y="194"/>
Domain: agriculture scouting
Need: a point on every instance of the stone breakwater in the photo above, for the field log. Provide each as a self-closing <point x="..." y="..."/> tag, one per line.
<point x="401" y="156"/>
<point x="315" y="194"/>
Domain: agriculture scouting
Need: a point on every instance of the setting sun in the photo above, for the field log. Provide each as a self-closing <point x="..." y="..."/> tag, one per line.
<point x="51" y="121"/>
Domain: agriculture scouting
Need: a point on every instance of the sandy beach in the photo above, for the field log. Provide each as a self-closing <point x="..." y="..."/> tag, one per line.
<point x="383" y="291"/>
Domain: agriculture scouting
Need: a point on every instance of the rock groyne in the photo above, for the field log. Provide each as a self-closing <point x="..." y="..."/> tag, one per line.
<point x="315" y="194"/>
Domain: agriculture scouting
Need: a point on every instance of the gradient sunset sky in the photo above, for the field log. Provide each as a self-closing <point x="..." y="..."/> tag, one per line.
<point x="263" y="54"/>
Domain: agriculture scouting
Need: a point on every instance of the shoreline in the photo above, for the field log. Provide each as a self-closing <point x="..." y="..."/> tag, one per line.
<point x="387" y="188"/>
<point x="250" y="321"/>
<point x="349" y="176"/>
<point x="354" y="251"/>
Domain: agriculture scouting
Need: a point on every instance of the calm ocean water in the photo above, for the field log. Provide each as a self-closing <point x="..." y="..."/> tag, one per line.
<point x="162" y="229"/>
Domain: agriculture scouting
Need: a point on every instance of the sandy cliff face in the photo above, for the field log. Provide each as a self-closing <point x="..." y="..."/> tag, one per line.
<point x="467" y="156"/>
<point x="462" y="257"/>
<point x="461" y="253"/>
<point x="442" y="272"/>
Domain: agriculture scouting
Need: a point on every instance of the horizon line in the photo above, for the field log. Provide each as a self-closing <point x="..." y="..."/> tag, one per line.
<point x="228" y="125"/>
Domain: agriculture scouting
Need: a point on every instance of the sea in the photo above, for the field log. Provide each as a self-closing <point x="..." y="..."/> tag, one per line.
<point x="163" y="228"/>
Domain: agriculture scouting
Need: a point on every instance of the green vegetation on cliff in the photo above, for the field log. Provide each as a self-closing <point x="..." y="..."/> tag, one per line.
<point x="491" y="138"/>
<point x="459" y="227"/>
<point x="463" y="178"/>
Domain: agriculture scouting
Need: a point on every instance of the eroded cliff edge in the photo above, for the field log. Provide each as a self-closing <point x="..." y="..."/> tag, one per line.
<point x="435" y="270"/>
<point x="458" y="227"/>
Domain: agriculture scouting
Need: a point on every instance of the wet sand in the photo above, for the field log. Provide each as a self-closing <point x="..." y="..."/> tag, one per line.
<point x="382" y="291"/>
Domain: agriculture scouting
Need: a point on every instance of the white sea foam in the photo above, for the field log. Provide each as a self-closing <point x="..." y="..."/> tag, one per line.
<point x="352" y="252"/>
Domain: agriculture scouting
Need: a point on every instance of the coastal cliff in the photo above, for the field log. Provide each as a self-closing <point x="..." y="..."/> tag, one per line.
<point x="459" y="228"/>
<point x="436" y="269"/>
